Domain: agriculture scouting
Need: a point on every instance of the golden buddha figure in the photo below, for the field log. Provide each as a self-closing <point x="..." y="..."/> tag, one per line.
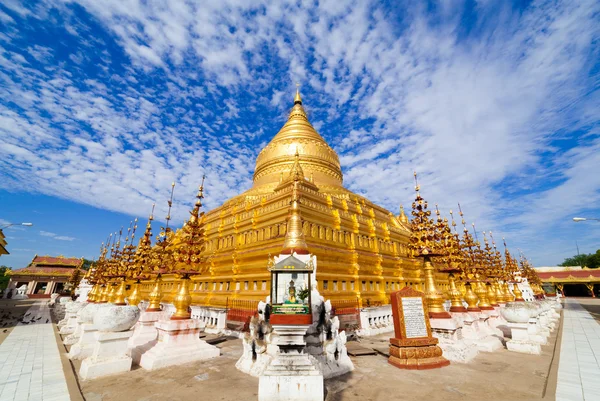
<point x="292" y="291"/>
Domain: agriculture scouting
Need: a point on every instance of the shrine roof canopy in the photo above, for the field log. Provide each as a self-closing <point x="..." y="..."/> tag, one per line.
<point x="291" y="263"/>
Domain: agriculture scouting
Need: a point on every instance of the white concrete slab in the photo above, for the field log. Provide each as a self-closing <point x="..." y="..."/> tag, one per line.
<point x="579" y="365"/>
<point x="30" y="366"/>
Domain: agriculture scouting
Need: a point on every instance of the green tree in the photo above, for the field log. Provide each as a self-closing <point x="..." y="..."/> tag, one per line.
<point x="3" y="277"/>
<point x="591" y="260"/>
<point x="87" y="264"/>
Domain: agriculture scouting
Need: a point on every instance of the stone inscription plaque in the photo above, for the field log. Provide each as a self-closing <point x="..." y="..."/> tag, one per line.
<point x="414" y="317"/>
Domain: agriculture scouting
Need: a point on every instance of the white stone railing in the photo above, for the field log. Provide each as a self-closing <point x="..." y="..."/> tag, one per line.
<point x="214" y="318"/>
<point x="376" y="320"/>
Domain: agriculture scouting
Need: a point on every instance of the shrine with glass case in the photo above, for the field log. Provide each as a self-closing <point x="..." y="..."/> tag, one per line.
<point x="290" y="291"/>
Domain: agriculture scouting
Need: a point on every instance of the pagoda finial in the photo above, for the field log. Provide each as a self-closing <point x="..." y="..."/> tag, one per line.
<point x="297" y="98"/>
<point x="402" y="216"/>
<point x="296" y="172"/>
<point x="294" y="236"/>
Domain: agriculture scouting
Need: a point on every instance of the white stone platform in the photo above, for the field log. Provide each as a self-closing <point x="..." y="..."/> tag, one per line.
<point x="178" y="342"/>
<point x="579" y="363"/>
<point x="30" y="366"/>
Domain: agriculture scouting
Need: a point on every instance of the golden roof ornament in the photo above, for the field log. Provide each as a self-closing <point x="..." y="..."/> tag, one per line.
<point x="296" y="172"/>
<point x="294" y="236"/>
<point x="402" y="216"/>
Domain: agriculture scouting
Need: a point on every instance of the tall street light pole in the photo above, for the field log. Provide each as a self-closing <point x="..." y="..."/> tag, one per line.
<point x="16" y="224"/>
<point x="578" y="219"/>
<point x="3" y="250"/>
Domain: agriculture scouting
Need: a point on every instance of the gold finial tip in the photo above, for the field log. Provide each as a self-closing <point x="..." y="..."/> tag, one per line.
<point x="297" y="98"/>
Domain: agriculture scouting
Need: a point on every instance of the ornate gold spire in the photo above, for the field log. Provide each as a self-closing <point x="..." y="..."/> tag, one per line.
<point x="425" y="242"/>
<point x="451" y="261"/>
<point x="191" y="237"/>
<point x="296" y="172"/>
<point x="512" y="268"/>
<point x="317" y="158"/>
<point x="294" y="236"/>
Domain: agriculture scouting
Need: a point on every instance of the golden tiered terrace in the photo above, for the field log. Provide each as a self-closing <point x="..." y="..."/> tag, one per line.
<point x="361" y="248"/>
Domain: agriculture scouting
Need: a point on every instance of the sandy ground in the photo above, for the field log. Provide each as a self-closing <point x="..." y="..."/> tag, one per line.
<point x="10" y="313"/>
<point x="501" y="375"/>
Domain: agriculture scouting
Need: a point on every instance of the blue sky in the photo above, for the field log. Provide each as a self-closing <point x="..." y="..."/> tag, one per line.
<point x="104" y="104"/>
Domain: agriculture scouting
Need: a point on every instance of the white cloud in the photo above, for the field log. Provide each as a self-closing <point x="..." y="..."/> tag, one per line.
<point x="56" y="236"/>
<point x="475" y="113"/>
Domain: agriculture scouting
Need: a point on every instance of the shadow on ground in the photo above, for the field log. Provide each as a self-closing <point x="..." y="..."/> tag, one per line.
<point x="11" y="313"/>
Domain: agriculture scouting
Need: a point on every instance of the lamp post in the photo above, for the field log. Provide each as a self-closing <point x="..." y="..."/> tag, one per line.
<point x="16" y="224"/>
<point x="578" y="219"/>
<point x="3" y="250"/>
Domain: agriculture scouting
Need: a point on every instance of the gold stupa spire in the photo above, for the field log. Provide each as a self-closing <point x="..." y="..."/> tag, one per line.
<point x="451" y="261"/>
<point x="512" y="268"/>
<point x="294" y="236"/>
<point x="297" y="135"/>
<point x="425" y="242"/>
<point x="297" y="98"/>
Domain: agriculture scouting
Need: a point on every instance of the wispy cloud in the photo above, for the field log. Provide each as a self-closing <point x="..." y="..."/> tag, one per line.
<point x="56" y="236"/>
<point x="494" y="105"/>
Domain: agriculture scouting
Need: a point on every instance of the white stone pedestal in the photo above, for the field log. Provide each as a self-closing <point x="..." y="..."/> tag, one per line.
<point x="293" y="375"/>
<point x="109" y="356"/>
<point x="302" y="387"/>
<point x="521" y="341"/>
<point x="69" y="326"/>
<point x="178" y="342"/>
<point x="74" y="337"/>
<point x="535" y="332"/>
<point x="83" y="289"/>
<point x="84" y="347"/>
<point x="144" y="330"/>
<point x="449" y="334"/>
<point x="477" y="332"/>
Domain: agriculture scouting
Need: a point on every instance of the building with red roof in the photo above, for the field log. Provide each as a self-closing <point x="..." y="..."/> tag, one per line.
<point x="571" y="280"/>
<point x="44" y="276"/>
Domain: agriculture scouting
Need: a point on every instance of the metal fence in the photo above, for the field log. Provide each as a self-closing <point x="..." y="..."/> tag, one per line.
<point x="239" y="313"/>
<point x="348" y="313"/>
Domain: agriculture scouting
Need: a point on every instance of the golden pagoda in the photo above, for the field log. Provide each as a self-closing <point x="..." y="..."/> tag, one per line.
<point x="361" y="248"/>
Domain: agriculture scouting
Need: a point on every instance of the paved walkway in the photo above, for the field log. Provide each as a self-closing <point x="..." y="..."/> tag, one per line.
<point x="579" y="364"/>
<point x="30" y="366"/>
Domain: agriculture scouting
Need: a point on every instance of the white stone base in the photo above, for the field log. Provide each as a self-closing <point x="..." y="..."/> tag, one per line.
<point x="109" y="356"/>
<point x="84" y="347"/>
<point x="459" y="351"/>
<point x="290" y="388"/>
<point x="178" y="342"/>
<point x="144" y="330"/>
<point x="489" y="344"/>
<point x="68" y="324"/>
<point x="521" y="340"/>
<point x="536" y="333"/>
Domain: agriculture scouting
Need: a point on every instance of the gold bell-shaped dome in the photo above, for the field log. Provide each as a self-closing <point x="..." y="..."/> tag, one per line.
<point x="317" y="158"/>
